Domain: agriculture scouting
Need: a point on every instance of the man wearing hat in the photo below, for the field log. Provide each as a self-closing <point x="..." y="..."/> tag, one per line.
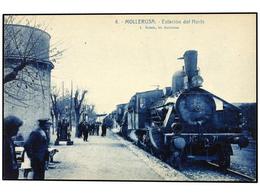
<point x="37" y="148"/>
<point x="10" y="166"/>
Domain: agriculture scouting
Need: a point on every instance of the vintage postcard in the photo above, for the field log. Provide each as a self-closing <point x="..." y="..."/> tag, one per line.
<point x="130" y="97"/>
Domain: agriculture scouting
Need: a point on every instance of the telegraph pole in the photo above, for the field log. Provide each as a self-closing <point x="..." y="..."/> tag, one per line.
<point x="63" y="106"/>
<point x="71" y="101"/>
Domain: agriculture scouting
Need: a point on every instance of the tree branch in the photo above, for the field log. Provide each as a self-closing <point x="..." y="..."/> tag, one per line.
<point x="82" y="97"/>
<point x="13" y="74"/>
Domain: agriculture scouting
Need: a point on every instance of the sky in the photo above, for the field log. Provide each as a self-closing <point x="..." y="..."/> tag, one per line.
<point x="115" y="56"/>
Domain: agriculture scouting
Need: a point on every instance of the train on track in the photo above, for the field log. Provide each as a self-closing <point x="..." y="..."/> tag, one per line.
<point x="183" y="122"/>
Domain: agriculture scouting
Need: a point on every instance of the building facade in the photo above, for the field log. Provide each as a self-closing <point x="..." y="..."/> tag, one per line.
<point x="28" y="94"/>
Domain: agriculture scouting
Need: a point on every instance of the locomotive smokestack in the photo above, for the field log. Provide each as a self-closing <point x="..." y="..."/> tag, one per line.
<point x="191" y="69"/>
<point x="190" y="63"/>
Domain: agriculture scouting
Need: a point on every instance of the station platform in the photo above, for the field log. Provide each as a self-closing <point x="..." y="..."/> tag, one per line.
<point x="108" y="158"/>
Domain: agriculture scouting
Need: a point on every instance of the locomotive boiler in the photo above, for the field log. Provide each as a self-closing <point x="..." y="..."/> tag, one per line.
<point x="183" y="122"/>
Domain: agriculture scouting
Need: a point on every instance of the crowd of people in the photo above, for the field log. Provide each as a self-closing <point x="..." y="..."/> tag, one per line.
<point x="86" y="129"/>
<point x="37" y="144"/>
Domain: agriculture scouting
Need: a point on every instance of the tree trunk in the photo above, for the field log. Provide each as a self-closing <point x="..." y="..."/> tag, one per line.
<point x="77" y="117"/>
<point x="56" y="121"/>
<point x="52" y="120"/>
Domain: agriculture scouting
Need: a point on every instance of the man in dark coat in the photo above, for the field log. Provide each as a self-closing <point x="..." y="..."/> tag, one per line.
<point x="97" y="128"/>
<point x="37" y="148"/>
<point x="84" y="128"/>
<point x="85" y="131"/>
<point x="80" y="130"/>
<point x="104" y="129"/>
<point x="11" y="128"/>
<point x="92" y="128"/>
<point x="64" y="130"/>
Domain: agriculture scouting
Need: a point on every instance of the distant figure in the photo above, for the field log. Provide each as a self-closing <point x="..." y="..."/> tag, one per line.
<point x="80" y="130"/>
<point x="58" y="132"/>
<point x="97" y="129"/>
<point x="64" y="130"/>
<point x="84" y="128"/>
<point x="92" y="128"/>
<point x="10" y="166"/>
<point x="37" y="148"/>
<point x="59" y="129"/>
<point x="89" y="129"/>
<point x="104" y="130"/>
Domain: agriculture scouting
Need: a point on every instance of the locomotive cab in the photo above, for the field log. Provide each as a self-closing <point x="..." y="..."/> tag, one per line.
<point x="138" y="116"/>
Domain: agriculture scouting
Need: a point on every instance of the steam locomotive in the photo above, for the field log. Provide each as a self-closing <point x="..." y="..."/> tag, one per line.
<point x="183" y="122"/>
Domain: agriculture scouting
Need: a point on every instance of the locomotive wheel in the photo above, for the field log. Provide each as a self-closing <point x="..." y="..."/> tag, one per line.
<point x="175" y="160"/>
<point x="224" y="161"/>
<point x="224" y="157"/>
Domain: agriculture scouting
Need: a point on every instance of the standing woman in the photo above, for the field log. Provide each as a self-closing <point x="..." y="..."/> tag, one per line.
<point x="11" y="128"/>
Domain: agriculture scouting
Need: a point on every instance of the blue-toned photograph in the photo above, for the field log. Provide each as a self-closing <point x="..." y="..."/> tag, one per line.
<point x="130" y="97"/>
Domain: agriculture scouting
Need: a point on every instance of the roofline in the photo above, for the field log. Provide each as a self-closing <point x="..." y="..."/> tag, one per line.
<point x="148" y="91"/>
<point x="31" y="27"/>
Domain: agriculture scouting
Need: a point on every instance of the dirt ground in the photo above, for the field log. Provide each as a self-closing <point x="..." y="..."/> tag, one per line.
<point x="107" y="158"/>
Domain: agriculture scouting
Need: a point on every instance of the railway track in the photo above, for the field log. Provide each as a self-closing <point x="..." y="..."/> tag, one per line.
<point x="211" y="172"/>
<point x="235" y="173"/>
<point x="207" y="171"/>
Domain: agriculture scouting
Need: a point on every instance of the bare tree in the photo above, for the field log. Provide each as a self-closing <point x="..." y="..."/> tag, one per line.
<point x="60" y="104"/>
<point x="90" y="112"/>
<point x="78" y="106"/>
<point x="25" y="61"/>
<point x="55" y="105"/>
